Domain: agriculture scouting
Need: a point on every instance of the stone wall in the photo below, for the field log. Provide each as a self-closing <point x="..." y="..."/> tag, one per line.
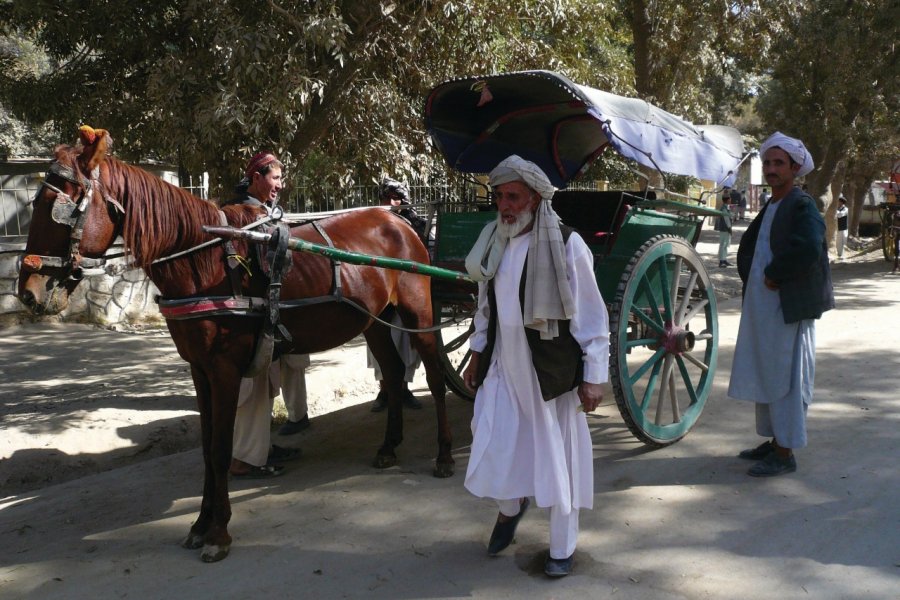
<point x="122" y="296"/>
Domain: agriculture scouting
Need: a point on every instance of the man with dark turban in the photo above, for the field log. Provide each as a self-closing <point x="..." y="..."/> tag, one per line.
<point x="783" y="262"/>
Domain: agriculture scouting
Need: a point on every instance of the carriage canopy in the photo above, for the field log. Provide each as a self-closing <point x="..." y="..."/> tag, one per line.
<point x="544" y="117"/>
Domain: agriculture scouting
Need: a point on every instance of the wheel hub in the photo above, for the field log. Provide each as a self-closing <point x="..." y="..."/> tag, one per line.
<point x="678" y="340"/>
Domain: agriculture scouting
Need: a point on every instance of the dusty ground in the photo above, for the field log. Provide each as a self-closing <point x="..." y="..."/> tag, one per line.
<point x="121" y="397"/>
<point x="99" y="488"/>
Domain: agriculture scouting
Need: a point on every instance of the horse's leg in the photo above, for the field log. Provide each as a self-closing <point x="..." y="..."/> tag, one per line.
<point x="378" y="337"/>
<point x="223" y="399"/>
<point x="196" y="535"/>
<point x="418" y="315"/>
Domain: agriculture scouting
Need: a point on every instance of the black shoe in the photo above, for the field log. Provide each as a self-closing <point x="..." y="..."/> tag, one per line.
<point x="292" y="427"/>
<point x="758" y="453"/>
<point x="380" y="402"/>
<point x="558" y="567"/>
<point x="505" y="531"/>
<point x="409" y="401"/>
<point x="773" y="465"/>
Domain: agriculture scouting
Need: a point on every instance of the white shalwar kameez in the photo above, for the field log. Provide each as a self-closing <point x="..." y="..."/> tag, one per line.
<point x="522" y="445"/>
<point x="781" y="388"/>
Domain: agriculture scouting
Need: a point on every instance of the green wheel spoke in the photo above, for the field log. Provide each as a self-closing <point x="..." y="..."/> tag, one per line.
<point x="641" y="342"/>
<point x="651" y="362"/>
<point x="665" y="286"/>
<point x="651" y="385"/>
<point x="652" y="302"/>
<point x="686" y="378"/>
<point x="657" y="326"/>
<point x="676" y="271"/>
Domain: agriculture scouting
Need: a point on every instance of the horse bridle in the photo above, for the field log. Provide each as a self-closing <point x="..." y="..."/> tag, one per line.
<point x="72" y="214"/>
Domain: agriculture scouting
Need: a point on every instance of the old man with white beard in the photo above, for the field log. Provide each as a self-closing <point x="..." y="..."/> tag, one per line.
<point x="540" y="352"/>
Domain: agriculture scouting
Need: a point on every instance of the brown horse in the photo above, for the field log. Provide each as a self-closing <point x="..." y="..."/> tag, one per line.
<point x="89" y="198"/>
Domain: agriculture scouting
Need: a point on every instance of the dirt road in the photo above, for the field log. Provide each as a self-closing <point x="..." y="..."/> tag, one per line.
<point x="681" y="522"/>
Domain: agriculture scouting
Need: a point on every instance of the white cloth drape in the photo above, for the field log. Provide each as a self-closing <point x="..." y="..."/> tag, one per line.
<point x="522" y="445"/>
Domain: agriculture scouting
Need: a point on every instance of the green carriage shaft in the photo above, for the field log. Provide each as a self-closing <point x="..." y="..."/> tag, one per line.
<point x="663" y="315"/>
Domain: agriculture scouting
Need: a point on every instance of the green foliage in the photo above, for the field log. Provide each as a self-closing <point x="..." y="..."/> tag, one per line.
<point x="336" y="86"/>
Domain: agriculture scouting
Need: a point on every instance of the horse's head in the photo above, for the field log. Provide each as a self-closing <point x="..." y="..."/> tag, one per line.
<point x="72" y="225"/>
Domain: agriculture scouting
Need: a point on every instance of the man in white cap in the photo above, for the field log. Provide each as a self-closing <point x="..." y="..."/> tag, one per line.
<point x="783" y="262"/>
<point x="540" y="351"/>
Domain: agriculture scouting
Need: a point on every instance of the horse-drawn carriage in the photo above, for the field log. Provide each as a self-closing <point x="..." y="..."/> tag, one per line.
<point x="664" y="330"/>
<point x="664" y="333"/>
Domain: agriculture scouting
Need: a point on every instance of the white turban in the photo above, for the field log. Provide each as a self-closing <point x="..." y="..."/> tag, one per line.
<point x="516" y="168"/>
<point x="795" y="149"/>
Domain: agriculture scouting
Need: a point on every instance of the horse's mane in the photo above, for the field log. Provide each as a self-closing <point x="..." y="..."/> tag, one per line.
<point x="161" y="219"/>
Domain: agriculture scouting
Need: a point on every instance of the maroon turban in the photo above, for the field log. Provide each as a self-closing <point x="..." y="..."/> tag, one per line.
<point x="260" y="161"/>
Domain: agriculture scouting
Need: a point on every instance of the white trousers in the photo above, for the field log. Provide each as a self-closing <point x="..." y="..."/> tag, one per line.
<point x="408" y="355"/>
<point x="724" y="242"/>
<point x="293" y="384"/>
<point x="783" y="420"/>
<point x="563" y="528"/>
<point x="841" y="240"/>
<point x="253" y="421"/>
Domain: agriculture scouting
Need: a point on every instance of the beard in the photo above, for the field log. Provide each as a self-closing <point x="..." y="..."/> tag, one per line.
<point x="511" y="230"/>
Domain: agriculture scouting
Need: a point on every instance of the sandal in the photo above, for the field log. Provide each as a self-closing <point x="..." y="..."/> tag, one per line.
<point x="263" y="472"/>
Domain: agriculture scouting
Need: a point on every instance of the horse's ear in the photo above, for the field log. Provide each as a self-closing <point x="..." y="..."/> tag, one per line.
<point x="95" y="145"/>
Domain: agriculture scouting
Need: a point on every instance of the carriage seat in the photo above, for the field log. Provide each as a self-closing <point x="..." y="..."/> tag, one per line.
<point x="597" y="216"/>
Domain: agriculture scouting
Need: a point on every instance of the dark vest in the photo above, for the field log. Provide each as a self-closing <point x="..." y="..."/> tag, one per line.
<point x="800" y="256"/>
<point x="558" y="363"/>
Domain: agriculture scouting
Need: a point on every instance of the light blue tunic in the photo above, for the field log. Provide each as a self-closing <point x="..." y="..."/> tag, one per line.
<point x="774" y="362"/>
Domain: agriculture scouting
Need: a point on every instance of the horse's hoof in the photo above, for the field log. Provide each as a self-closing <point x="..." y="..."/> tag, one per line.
<point x="443" y="470"/>
<point x="214" y="553"/>
<point x="193" y="541"/>
<point x="384" y="461"/>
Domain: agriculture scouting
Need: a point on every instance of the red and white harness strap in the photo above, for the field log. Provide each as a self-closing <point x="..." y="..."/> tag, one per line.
<point x="196" y="308"/>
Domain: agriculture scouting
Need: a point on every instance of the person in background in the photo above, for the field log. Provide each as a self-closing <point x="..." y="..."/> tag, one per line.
<point x="764" y="198"/>
<point x="723" y="226"/>
<point x="395" y="194"/>
<point x="841" y="215"/>
<point x="783" y="263"/>
<point x="540" y="352"/>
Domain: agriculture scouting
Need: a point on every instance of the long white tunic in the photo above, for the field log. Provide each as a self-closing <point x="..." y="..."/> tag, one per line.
<point x="774" y="361"/>
<point x="523" y="446"/>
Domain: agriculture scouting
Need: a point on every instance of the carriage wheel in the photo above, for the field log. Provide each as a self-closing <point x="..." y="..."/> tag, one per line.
<point x="453" y="341"/>
<point x="663" y="340"/>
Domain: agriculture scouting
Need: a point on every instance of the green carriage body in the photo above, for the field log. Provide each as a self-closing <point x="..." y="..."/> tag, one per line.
<point x="662" y="306"/>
